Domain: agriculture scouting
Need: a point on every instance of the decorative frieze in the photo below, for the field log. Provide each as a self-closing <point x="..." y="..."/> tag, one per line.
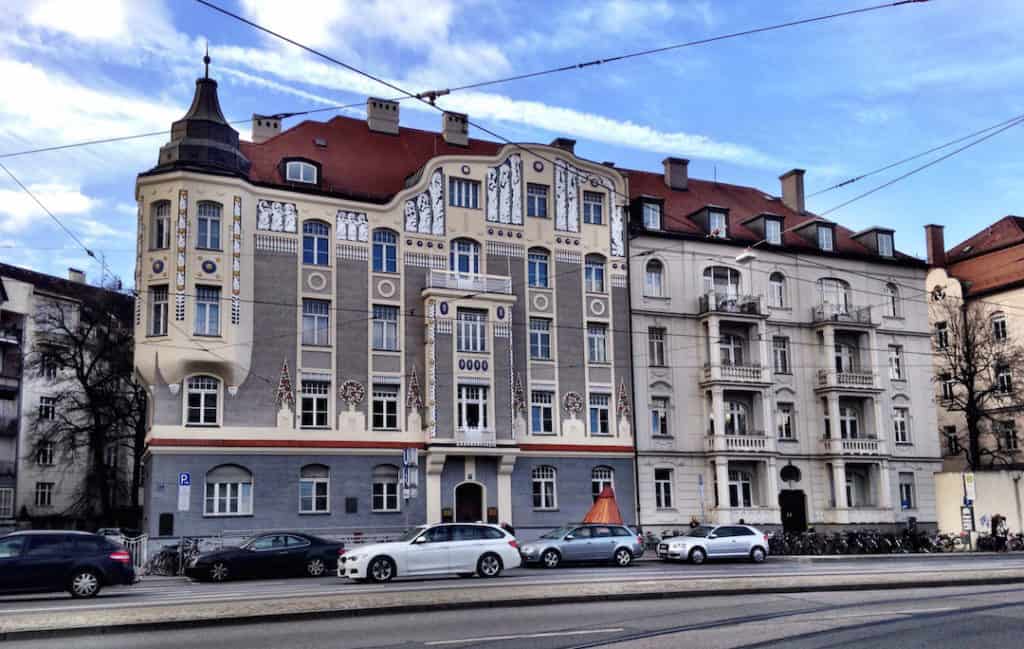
<point x="276" y="244"/>
<point x="274" y="216"/>
<point x="618" y="226"/>
<point x="424" y="213"/>
<point x="181" y="240"/>
<point x="568" y="257"/>
<point x="619" y="281"/>
<point x="505" y="249"/>
<point x="352" y="226"/>
<point x="236" y="261"/>
<point x="424" y="260"/>
<point x="504" y="191"/>
<point x="348" y="251"/>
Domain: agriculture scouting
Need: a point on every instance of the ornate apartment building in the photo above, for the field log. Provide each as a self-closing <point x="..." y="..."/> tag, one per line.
<point x="782" y="367"/>
<point x="319" y="301"/>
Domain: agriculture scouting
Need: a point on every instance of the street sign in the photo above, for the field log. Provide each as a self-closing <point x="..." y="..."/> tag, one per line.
<point x="184" y="479"/>
<point x="970" y="494"/>
<point x="967" y="519"/>
<point x="184" y="497"/>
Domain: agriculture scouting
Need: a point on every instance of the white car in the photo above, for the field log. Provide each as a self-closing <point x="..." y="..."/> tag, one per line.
<point x="465" y="549"/>
<point x="716" y="542"/>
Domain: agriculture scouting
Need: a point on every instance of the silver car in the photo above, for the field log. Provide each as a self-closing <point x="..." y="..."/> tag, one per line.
<point x="575" y="543"/>
<point x="716" y="542"/>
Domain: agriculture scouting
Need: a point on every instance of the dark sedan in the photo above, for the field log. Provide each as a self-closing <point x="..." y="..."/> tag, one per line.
<point x="276" y="554"/>
<point x="78" y="562"/>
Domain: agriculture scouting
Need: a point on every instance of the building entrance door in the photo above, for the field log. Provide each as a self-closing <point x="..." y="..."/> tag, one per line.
<point x="793" y="506"/>
<point x="469" y="503"/>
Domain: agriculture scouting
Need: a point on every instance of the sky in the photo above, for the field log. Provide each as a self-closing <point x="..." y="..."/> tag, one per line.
<point x="836" y="98"/>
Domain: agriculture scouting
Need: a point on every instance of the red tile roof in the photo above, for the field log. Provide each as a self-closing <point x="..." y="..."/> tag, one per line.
<point x="1007" y="231"/>
<point x="992" y="259"/>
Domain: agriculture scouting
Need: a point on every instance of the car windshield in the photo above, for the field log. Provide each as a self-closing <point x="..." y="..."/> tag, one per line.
<point x="700" y="531"/>
<point x="555" y="534"/>
<point x="410" y="534"/>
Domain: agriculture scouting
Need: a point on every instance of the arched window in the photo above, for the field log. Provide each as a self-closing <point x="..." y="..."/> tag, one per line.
<point x="297" y="171"/>
<point x="654" y="285"/>
<point x="777" y="290"/>
<point x="593" y="274"/>
<point x="735" y="418"/>
<point x="202" y="394"/>
<point x="723" y="281"/>
<point x="464" y="256"/>
<point x="892" y="301"/>
<point x="385" y="488"/>
<point x="208" y="226"/>
<point x="385" y="251"/>
<point x="314" y="489"/>
<point x="537" y="264"/>
<point x="228" y="491"/>
<point x="545" y="496"/>
<point x="834" y="294"/>
<point x="315" y="243"/>
<point x="601" y="477"/>
<point x="731" y="347"/>
<point x="999" y="331"/>
<point x="161" y="225"/>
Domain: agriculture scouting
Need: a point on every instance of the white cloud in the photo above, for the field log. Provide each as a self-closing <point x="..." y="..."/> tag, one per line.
<point x="18" y="211"/>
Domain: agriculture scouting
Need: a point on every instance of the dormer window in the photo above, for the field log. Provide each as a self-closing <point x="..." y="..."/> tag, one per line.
<point x="885" y="244"/>
<point x="652" y="216"/>
<point x="298" y="171"/>
<point x="717" y="224"/>
<point x="825" y="238"/>
<point x="773" y="232"/>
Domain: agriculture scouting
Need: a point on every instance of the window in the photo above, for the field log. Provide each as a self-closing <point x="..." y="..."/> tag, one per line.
<point x="158" y="311"/>
<point x="784" y="415"/>
<point x="735" y="418"/>
<point x="463" y="192"/>
<point x="849" y="422"/>
<point x="44" y="494"/>
<point x="777" y="290"/>
<point x="385" y="488"/>
<point x="544" y="494"/>
<point x="314" y="403"/>
<point x="542" y="414"/>
<point x="601" y="477"/>
<point x="297" y="171"/>
<point x="780" y="354"/>
<point x="947" y="386"/>
<point x="110" y="456"/>
<point x="385" y="328"/>
<point x="315" y="242"/>
<point x="44" y="454"/>
<point x="773" y="232"/>
<point x="314" y="489"/>
<point x="892" y="301"/>
<point x="464" y="256"/>
<point x="207" y="311"/>
<point x="656" y="346"/>
<point x="537" y="269"/>
<point x="385" y="407"/>
<point x="6" y="511"/>
<point x="473" y="407"/>
<point x="537" y="200"/>
<point x="653" y="279"/>
<point x="885" y="244"/>
<point x="593" y="206"/>
<point x="999" y="326"/>
<point x="228" y="491"/>
<point x="599" y="422"/>
<point x="597" y="348"/>
<point x="385" y="251"/>
<point x="202" y="393"/>
<point x="907" y="499"/>
<point x="471" y="330"/>
<point x="740" y="489"/>
<point x="208" y="222"/>
<point x="1004" y="380"/>
<point x="952" y="440"/>
<point x="663" y="488"/>
<point x="941" y="335"/>
<point x="717" y="224"/>
<point x="825" y="238"/>
<point x="846" y="357"/>
<point x="652" y="216"/>
<point x="48" y="365"/>
<point x="1007" y="435"/>
<point x="593" y="274"/>
<point x="316" y="322"/>
<point x="901" y="425"/>
<point x="659" y="416"/>
<point x="47" y="408"/>
<point x="161" y="238"/>
<point x="540" y="339"/>
<point x="724" y="282"/>
<point x="731" y="347"/>
<point x="835" y="293"/>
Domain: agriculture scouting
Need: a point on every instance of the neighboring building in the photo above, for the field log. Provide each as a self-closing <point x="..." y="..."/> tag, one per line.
<point x="783" y="387"/>
<point x="322" y="299"/>
<point x="46" y="483"/>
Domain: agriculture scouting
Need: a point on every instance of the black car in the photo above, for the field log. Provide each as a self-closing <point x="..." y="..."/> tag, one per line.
<point x="276" y="554"/>
<point x="78" y="562"/>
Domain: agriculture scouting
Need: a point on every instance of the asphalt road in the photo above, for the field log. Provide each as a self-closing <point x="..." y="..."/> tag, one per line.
<point x="172" y="591"/>
<point x="938" y="618"/>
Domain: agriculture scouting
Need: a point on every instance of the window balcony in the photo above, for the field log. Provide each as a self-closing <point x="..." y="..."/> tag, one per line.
<point x="859" y="380"/>
<point x="472" y="282"/>
<point x="842" y="314"/>
<point x="475" y="437"/>
<point x="859" y="446"/>
<point x="754" y="442"/>
<point x="729" y="303"/>
<point x="734" y="373"/>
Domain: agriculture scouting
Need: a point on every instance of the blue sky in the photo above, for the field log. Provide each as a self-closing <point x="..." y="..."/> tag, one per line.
<point x="835" y="98"/>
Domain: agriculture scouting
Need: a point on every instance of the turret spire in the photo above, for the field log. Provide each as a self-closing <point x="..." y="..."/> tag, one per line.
<point x="206" y="61"/>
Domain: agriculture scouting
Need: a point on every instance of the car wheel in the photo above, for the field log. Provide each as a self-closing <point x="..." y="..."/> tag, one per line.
<point x="623" y="557"/>
<point x="316" y="568"/>
<point x="757" y="555"/>
<point x="84" y="584"/>
<point x="489" y="565"/>
<point x="551" y="558"/>
<point x="698" y="556"/>
<point x="219" y="571"/>
<point x="381" y="570"/>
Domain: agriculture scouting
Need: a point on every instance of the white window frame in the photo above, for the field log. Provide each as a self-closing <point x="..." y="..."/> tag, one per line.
<point x="318" y="235"/>
<point x="538" y="266"/>
<point x="849" y="422"/>
<point x="208" y="225"/>
<point x="224" y="493"/>
<point x="385" y="328"/>
<point x="780" y="355"/>
<point x="718" y="224"/>
<point x="299" y="171"/>
<point x="540" y="339"/>
<point x="44" y="494"/>
<point x="384" y="492"/>
<point x="593" y="275"/>
<point x="737" y="419"/>
<point x="654" y="280"/>
<point x="464" y="250"/>
<point x="471" y="330"/>
<point x="384" y="407"/>
<point x="777" y="290"/>
<point x="207" y="316"/>
<point x="773" y="232"/>
<point x="600" y="414"/>
<point x="206" y="387"/>
<point x="999" y="331"/>
<point x="6" y="503"/>
<point x="316" y="322"/>
<point x="907" y="489"/>
<point x="722" y="281"/>
<point x="1008" y="440"/>
<point x="652" y="216"/>
<point x="901" y="425"/>
<point x="892" y="294"/>
<point x="660" y="407"/>
<point x="601" y="477"/>
<point x="1004" y="379"/>
<point x="786" y="420"/>
<point x="656" y="349"/>
<point x="885" y="244"/>
<point x="542" y="409"/>
<point x="158" y="310"/>
<point x="385" y="251"/>
<point x="941" y="335"/>
<point x="45" y="454"/>
<point x="731" y="349"/>
<point x="826" y="238"/>
<point x="947" y="386"/>
<point x="741" y="488"/>
<point x="314" y="400"/>
<point x="597" y="343"/>
<point x="47" y="408"/>
<point x="463" y="192"/>
<point x="537" y="200"/>
<point x="161" y="220"/>
<point x="593" y="208"/>
<point x="468" y="396"/>
<point x="314" y="497"/>
<point x="663" y="492"/>
<point x="544" y="483"/>
<point x="896" y="363"/>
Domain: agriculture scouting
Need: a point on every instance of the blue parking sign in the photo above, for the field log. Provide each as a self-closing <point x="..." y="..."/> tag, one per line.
<point x="184" y="480"/>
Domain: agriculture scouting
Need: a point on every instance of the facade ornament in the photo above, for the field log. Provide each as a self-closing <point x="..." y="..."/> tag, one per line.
<point x="518" y="395"/>
<point x="424" y="212"/>
<point x="413" y="400"/>
<point x="352" y="393"/>
<point x="351" y="226"/>
<point x="573" y="403"/>
<point x="504" y="191"/>
<point x="285" y="393"/>
<point x="274" y="216"/>
<point x="622" y="400"/>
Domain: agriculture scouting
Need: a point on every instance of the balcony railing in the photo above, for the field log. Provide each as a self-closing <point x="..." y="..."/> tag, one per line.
<point x="469" y="282"/>
<point x="755" y="442"/>
<point x="859" y="446"/>
<point x="475" y="437"/>
<point x="734" y="373"/>
<point x="832" y="378"/>
<point x="840" y="313"/>
<point x="729" y="303"/>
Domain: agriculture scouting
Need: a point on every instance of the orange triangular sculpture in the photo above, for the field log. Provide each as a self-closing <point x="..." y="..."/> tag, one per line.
<point x="605" y="510"/>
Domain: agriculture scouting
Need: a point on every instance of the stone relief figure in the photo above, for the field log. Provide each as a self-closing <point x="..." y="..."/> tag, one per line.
<point x="179" y="277"/>
<point x="263" y="215"/>
<point x="618" y="249"/>
<point x="423" y="208"/>
<point x="504" y="200"/>
<point x="516" y="169"/>
<point x="276" y="217"/>
<point x="363" y="229"/>
<point x="561" y="216"/>
<point x="290" y="217"/>
<point x="410" y="216"/>
<point x="236" y="285"/>
<point x="572" y="192"/>
<point x="436" y="191"/>
<point x="492" y="194"/>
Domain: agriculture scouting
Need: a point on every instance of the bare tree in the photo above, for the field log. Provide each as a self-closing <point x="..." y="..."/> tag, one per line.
<point x="98" y="409"/>
<point x="979" y="371"/>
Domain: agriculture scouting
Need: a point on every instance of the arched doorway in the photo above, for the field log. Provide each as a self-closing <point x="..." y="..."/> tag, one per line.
<point x="469" y="502"/>
<point x="793" y="506"/>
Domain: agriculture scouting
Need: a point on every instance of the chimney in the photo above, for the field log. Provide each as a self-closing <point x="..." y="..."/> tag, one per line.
<point x="264" y="127"/>
<point x="676" y="173"/>
<point x="793" y="189"/>
<point x="935" y="245"/>
<point x="382" y="115"/>
<point x="565" y="144"/>
<point x="77" y="276"/>
<point x="455" y="128"/>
